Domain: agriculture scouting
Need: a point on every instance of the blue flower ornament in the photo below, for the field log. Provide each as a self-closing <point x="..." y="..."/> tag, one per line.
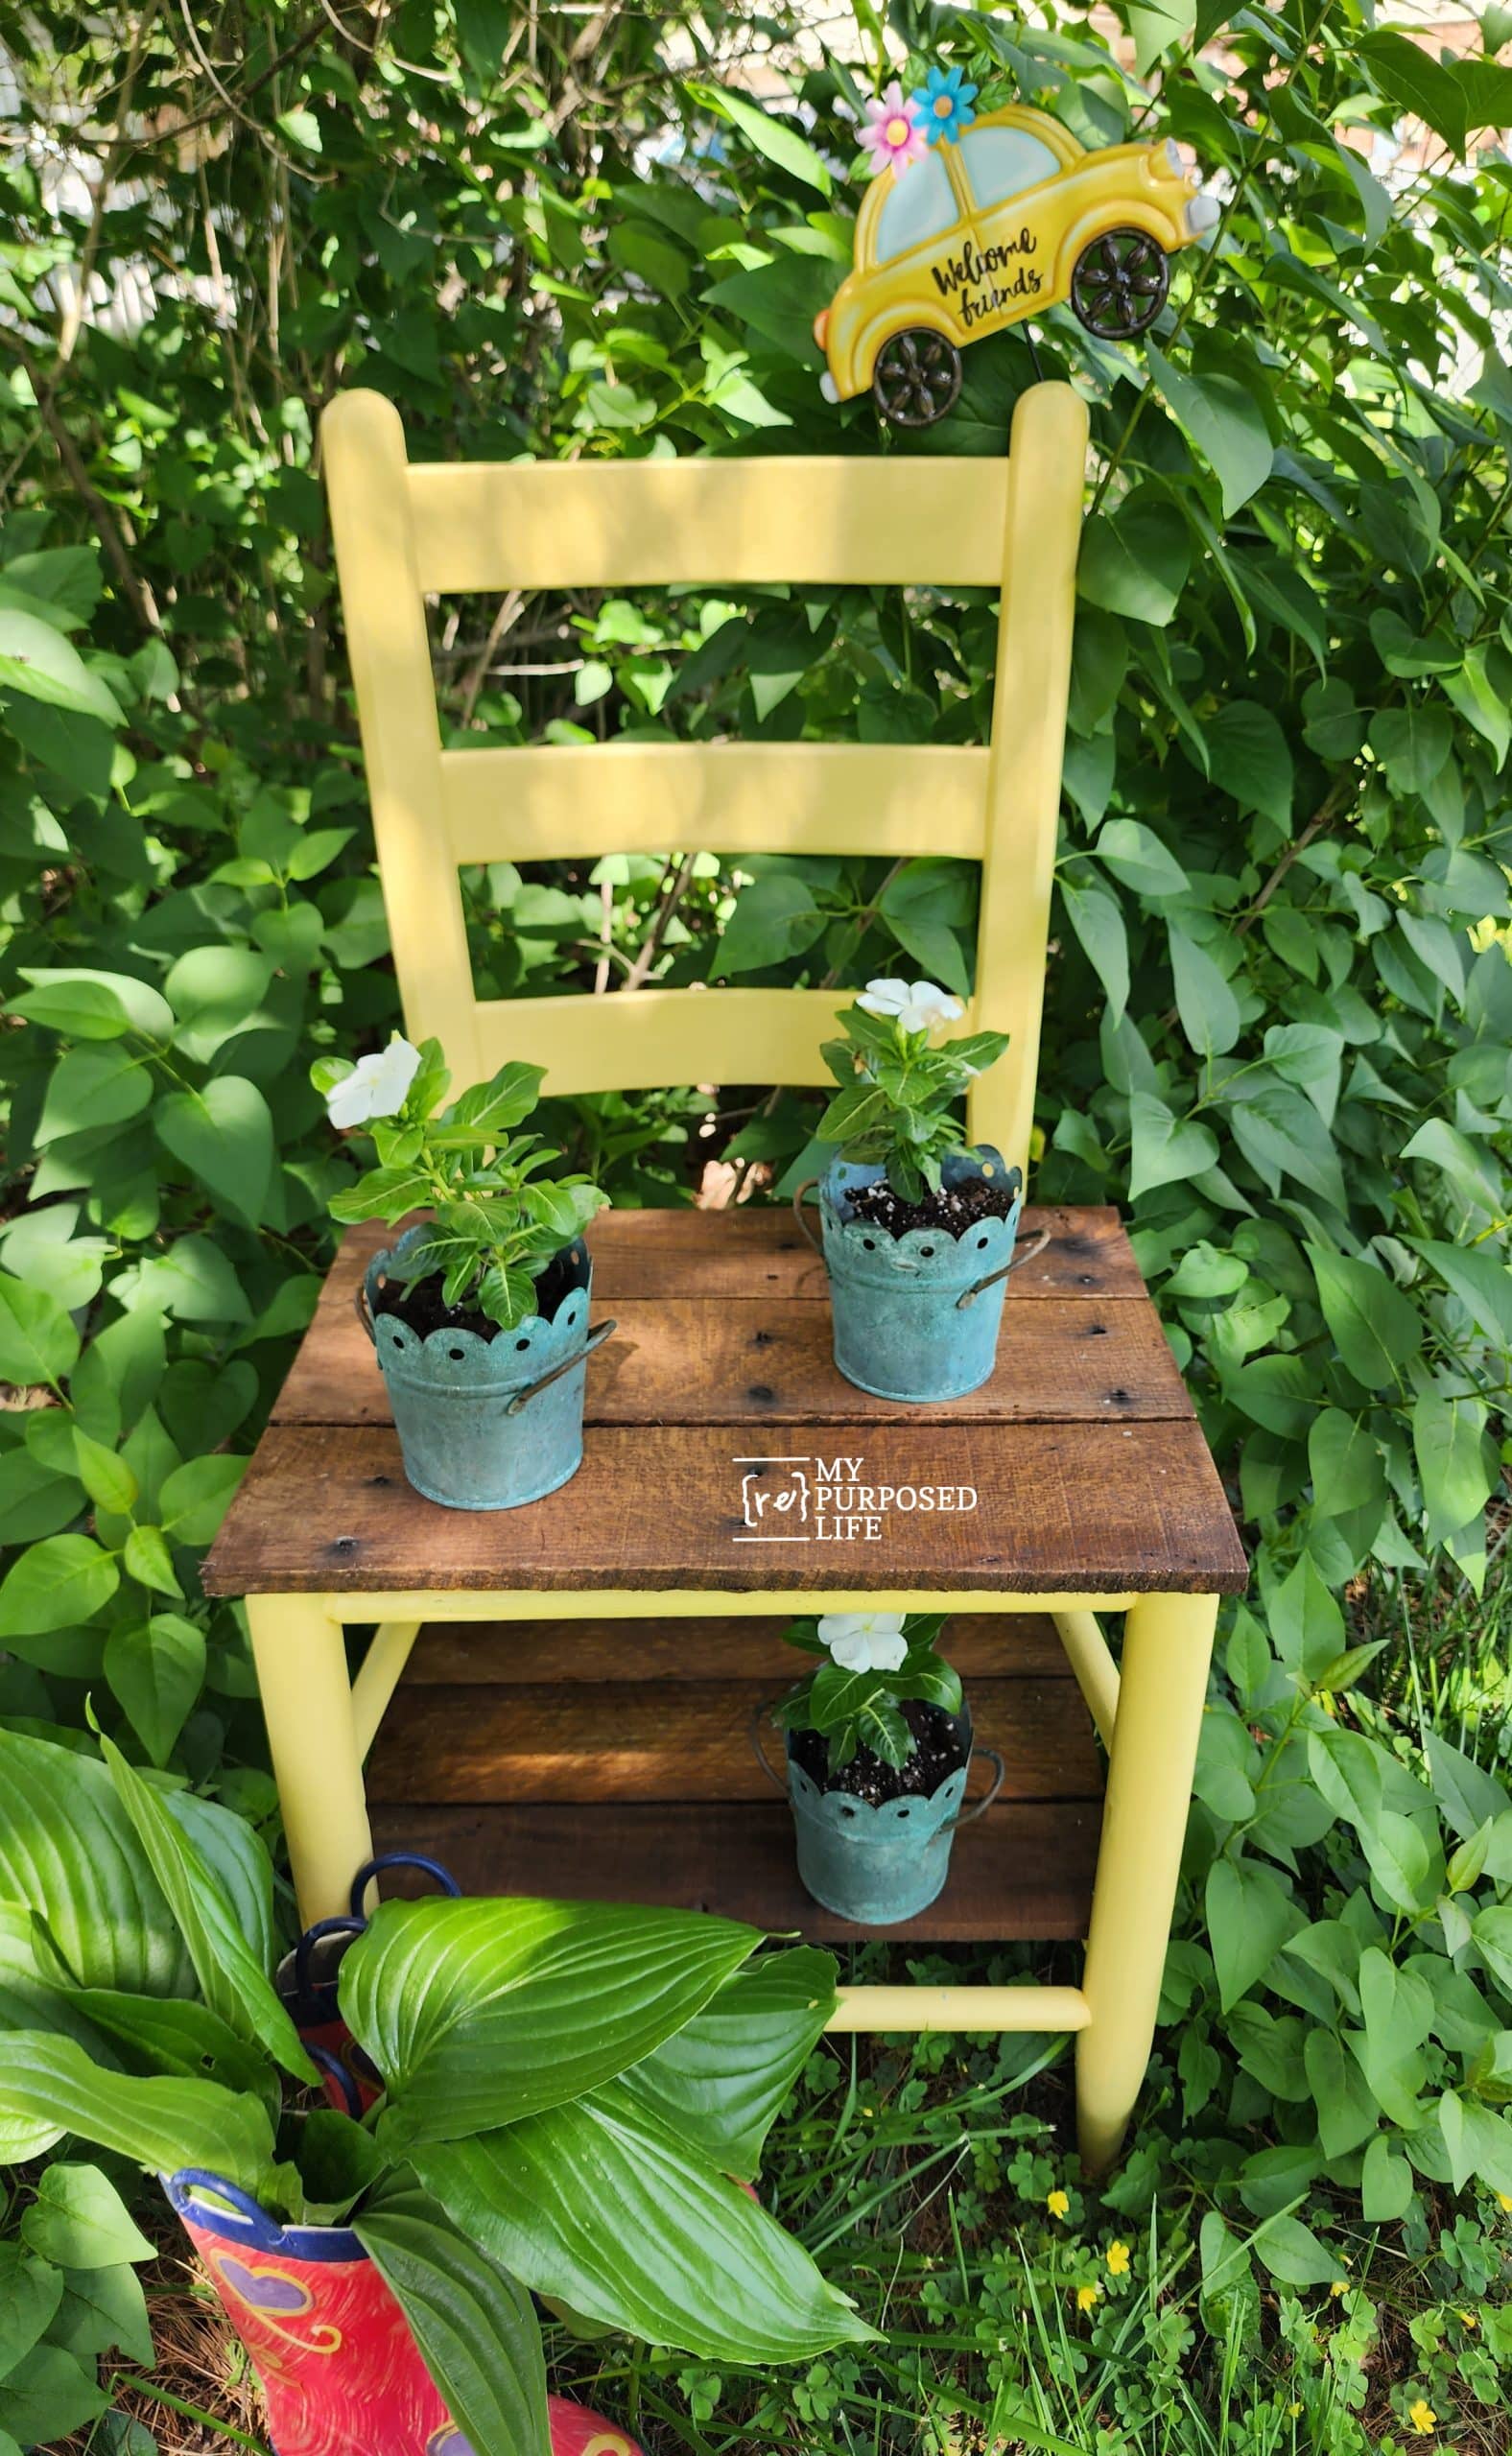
<point x="944" y="102"/>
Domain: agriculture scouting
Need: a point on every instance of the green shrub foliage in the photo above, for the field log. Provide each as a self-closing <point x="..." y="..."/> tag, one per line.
<point x="1279" y="1003"/>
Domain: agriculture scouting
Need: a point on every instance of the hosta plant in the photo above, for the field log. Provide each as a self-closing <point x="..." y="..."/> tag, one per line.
<point x="571" y="2089"/>
<point x="498" y="1222"/>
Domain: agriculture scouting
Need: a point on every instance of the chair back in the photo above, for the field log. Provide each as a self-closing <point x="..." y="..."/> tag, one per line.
<point x="404" y="531"/>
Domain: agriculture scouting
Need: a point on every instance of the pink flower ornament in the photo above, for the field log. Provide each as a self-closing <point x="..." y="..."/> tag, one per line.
<point x="894" y="134"/>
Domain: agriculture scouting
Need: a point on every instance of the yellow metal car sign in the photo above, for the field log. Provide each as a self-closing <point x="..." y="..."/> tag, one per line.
<point x="972" y="224"/>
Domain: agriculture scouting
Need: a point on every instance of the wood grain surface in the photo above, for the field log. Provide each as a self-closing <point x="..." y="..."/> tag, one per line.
<point x="1093" y="1508"/>
<point x="1020" y="1873"/>
<point x="661" y="1740"/>
<point x="458" y="1654"/>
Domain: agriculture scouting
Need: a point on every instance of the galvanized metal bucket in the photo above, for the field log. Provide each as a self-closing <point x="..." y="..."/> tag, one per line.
<point x="917" y="1316"/>
<point x="486" y="1423"/>
<point x="877" y="1865"/>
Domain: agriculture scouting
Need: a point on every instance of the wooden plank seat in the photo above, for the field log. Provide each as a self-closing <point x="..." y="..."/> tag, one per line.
<point x="1078" y="1466"/>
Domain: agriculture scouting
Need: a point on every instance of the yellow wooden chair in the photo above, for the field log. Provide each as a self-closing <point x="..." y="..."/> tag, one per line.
<point x="591" y="1745"/>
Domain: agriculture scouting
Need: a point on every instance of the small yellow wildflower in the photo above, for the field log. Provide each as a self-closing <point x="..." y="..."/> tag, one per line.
<point x="1505" y="2199"/>
<point x="1422" y="2416"/>
<point x="1469" y="2319"/>
<point x="1117" y="2260"/>
<point x="1058" y="2203"/>
<point x="1086" y="2296"/>
<point x="1293" y="2409"/>
<point x="1340" y="2285"/>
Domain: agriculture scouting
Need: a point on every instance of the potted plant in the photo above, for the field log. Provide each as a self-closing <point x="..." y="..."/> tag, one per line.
<point x="479" y="1315"/>
<point x="918" y="1227"/>
<point x="879" y="1743"/>
<point x="568" y="2090"/>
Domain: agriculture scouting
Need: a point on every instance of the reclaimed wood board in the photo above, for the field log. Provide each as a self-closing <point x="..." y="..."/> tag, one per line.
<point x="1021" y="1872"/>
<point x="1015" y="1508"/>
<point x="458" y="1654"/>
<point x="689" y="1740"/>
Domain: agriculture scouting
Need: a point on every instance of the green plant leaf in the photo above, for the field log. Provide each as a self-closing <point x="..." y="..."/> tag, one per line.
<point x="472" y="2011"/>
<point x="38" y="1342"/>
<point x="720" y="2082"/>
<point x="770" y="135"/>
<point x="472" y="2320"/>
<point x="1374" y="1326"/>
<point x="232" y="1979"/>
<point x="1250" y="1915"/>
<point x="161" y="2125"/>
<point x="224" y="1136"/>
<point x="56" y="1585"/>
<point x="155" y="1669"/>
<point x="93" y="1005"/>
<point x="80" y="2220"/>
<point x="1222" y="419"/>
<point x="689" y="2262"/>
<point x="38" y="660"/>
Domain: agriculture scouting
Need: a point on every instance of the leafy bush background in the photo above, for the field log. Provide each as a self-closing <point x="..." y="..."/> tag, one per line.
<point x="1279" y="1016"/>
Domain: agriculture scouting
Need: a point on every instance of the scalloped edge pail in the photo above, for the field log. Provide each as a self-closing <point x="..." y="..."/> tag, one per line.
<point x="486" y="1424"/>
<point x="878" y="1865"/>
<point x="912" y="1317"/>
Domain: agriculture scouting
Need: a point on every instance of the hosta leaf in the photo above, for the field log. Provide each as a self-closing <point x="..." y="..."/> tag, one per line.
<point x="473" y="2010"/>
<point x="68" y="1850"/>
<point x="472" y="2321"/>
<point x="232" y="1979"/>
<point x="720" y="2081"/>
<point x="597" y="2204"/>
<point x="160" y="2124"/>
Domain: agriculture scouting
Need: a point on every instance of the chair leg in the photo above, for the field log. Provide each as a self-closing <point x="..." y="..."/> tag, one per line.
<point x="307" y="1705"/>
<point x="1168" y="1646"/>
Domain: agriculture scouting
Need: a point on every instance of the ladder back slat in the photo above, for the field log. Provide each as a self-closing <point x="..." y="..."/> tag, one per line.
<point x="657" y="524"/>
<point x="659" y="1036"/>
<point x="892" y="800"/>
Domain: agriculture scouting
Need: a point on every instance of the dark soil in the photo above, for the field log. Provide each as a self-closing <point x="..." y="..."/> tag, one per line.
<point x="941" y="1749"/>
<point x="420" y="1300"/>
<point x="954" y="1208"/>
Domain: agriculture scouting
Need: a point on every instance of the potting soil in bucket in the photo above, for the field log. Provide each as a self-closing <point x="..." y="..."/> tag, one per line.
<point x="482" y="1422"/>
<point x="341" y="2373"/>
<point x="901" y="1328"/>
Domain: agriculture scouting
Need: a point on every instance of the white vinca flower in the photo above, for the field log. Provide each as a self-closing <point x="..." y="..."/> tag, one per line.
<point x="377" y="1086"/>
<point x="919" y="1007"/>
<point x="864" y="1641"/>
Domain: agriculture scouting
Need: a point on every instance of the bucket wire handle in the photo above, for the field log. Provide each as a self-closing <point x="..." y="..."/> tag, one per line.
<point x="569" y="1364"/>
<point x="313" y="1936"/>
<point x="336" y="2071"/>
<point x="970" y="1815"/>
<point x="1026" y="1253"/>
<point x="758" y="1746"/>
<point x="445" y="1881"/>
<point x="364" y="1309"/>
<point x="807" y="1187"/>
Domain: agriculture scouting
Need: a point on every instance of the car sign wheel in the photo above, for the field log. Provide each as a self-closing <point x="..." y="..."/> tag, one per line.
<point x="1120" y="284"/>
<point x="916" y="377"/>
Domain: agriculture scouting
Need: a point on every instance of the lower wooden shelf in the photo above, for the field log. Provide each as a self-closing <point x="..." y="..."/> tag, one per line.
<point x="612" y="1761"/>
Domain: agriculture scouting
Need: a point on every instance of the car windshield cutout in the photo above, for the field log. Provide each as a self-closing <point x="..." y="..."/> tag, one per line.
<point x="921" y="206"/>
<point x="1004" y="161"/>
